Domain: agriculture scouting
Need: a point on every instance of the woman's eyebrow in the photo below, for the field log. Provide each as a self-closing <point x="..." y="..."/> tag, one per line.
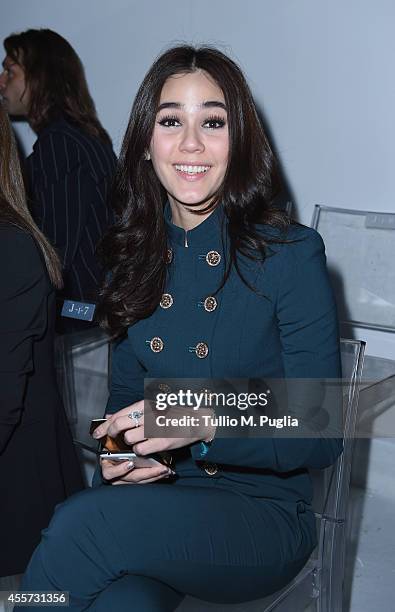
<point x="178" y="105"/>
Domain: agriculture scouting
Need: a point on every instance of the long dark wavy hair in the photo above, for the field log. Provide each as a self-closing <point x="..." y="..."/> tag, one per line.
<point x="134" y="250"/>
<point x="13" y="207"/>
<point x="55" y="79"/>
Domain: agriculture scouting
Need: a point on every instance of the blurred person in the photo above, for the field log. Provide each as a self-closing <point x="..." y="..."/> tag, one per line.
<point x="38" y="466"/>
<point x="72" y="164"/>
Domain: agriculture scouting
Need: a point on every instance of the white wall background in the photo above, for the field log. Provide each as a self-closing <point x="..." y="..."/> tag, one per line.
<point x="322" y="71"/>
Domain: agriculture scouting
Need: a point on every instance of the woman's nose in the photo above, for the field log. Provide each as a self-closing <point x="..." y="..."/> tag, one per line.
<point x="191" y="140"/>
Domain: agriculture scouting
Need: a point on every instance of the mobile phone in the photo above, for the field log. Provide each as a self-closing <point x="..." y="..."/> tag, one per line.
<point x="95" y="423"/>
<point x="137" y="460"/>
<point x="116" y="449"/>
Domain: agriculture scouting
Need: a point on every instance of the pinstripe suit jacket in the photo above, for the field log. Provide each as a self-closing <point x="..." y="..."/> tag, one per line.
<point x="69" y="174"/>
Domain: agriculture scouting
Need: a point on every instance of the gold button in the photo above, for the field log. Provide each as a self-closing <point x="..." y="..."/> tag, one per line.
<point x="213" y="258"/>
<point x="169" y="256"/>
<point x="210" y="468"/>
<point x="166" y="301"/>
<point x="164" y="388"/>
<point x="201" y="350"/>
<point x="210" y="303"/>
<point x="156" y="344"/>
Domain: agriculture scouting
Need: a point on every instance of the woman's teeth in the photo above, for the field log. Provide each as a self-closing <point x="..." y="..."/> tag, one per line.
<point x="192" y="169"/>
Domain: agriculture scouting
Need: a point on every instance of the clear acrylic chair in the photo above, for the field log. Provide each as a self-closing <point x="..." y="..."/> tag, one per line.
<point x="319" y="585"/>
<point x="81" y="363"/>
<point x="82" y="371"/>
<point x="360" y="249"/>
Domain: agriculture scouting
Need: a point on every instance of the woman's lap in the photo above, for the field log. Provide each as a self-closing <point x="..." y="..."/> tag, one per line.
<point x="205" y="541"/>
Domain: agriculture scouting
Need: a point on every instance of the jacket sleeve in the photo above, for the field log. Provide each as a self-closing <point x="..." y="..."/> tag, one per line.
<point x="63" y="190"/>
<point x="308" y="330"/>
<point x="22" y="320"/>
<point x="127" y="377"/>
<point x="127" y="386"/>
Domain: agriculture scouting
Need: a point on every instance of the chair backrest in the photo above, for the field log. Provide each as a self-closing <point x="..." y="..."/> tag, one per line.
<point x="331" y="486"/>
<point x="80" y="366"/>
<point x="360" y="248"/>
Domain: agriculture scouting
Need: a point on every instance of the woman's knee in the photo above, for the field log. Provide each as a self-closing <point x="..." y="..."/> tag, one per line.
<point x="71" y="516"/>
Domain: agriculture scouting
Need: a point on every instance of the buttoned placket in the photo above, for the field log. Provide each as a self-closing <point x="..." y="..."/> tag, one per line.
<point x="205" y="233"/>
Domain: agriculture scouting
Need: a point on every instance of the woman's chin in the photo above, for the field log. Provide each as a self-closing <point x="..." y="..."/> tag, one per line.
<point x="193" y="201"/>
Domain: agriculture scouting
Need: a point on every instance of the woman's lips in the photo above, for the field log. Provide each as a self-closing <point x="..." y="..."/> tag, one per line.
<point x="191" y="172"/>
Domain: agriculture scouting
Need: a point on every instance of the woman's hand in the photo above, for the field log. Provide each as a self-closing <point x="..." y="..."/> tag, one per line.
<point x="124" y="472"/>
<point x="134" y="430"/>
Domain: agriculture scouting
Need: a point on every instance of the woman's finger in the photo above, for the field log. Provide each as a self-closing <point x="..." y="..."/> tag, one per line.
<point x="102" y="430"/>
<point x="111" y="469"/>
<point x="123" y="423"/>
<point x="140" y="475"/>
<point x="150" y="446"/>
<point x="124" y="481"/>
<point x="149" y="480"/>
<point x="135" y="435"/>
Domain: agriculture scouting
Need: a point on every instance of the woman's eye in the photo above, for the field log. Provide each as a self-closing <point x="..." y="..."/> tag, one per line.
<point x="214" y="123"/>
<point x="169" y="122"/>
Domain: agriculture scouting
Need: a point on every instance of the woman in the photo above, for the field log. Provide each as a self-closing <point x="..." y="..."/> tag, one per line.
<point x="209" y="282"/>
<point x="38" y="468"/>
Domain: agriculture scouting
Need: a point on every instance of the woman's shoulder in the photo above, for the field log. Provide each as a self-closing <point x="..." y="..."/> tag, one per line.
<point x="18" y="250"/>
<point x="291" y="251"/>
<point x="11" y="232"/>
<point x="292" y="240"/>
<point x="291" y="231"/>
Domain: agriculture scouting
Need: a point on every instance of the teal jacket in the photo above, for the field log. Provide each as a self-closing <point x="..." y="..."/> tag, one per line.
<point x="287" y="328"/>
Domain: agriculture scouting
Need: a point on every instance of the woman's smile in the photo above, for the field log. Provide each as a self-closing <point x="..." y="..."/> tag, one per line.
<point x="191" y="172"/>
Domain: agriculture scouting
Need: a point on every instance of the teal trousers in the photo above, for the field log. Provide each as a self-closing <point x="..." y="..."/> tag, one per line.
<point x="142" y="548"/>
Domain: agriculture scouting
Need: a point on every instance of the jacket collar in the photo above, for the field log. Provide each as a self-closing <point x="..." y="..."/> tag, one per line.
<point x="203" y="234"/>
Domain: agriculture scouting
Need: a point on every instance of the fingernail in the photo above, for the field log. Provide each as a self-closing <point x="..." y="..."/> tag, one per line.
<point x="130" y="465"/>
<point x="97" y="433"/>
